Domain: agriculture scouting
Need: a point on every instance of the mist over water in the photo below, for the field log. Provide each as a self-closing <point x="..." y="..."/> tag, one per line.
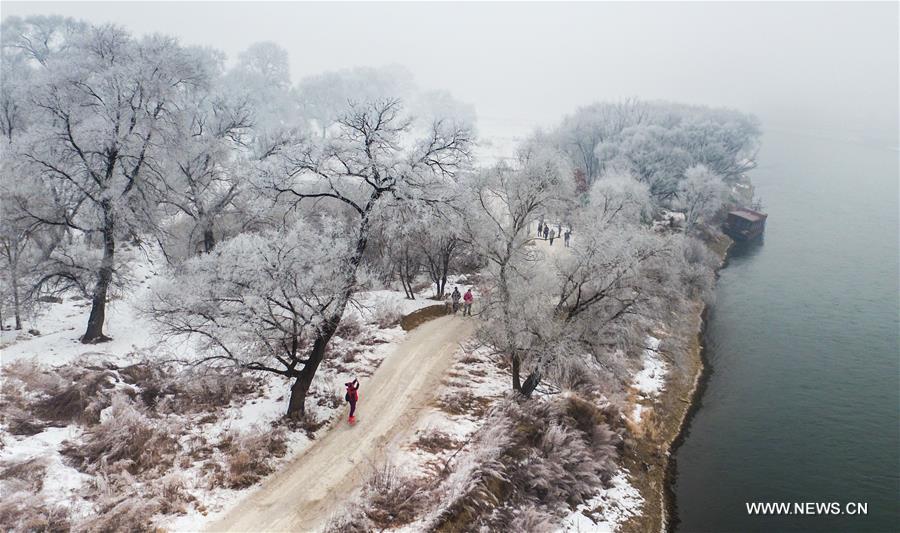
<point x="803" y="401"/>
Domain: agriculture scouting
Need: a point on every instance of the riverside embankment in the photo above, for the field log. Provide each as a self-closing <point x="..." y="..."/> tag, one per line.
<point x="649" y="456"/>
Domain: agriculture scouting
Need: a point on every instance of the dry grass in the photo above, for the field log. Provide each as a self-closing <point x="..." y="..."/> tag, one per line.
<point x="350" y="329"/>
<point x="25" y="475"/>
<point x="34" y="396"/>
<point x="249" y="455"/>
<point x="350" y="355"/>
<point x="131" y="513"/>
<point x="190" y="392"/>
<point x="80" y="400"/>
<point x="436" y="441"/>
<point x="392" y="499"/>
<point x="549" y="455"/>
<point x="463" y="402"/>
<point x="22" y="511"/>
<point x="127" y="439"/>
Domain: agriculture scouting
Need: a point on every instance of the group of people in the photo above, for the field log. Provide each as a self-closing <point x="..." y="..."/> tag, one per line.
<point x="544" y="230"/>
<point x="352" y="394"/>
<point x="468" y="299"/>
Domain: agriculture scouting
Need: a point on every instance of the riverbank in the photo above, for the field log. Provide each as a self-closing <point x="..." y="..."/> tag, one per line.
<point x="648" y="456"/>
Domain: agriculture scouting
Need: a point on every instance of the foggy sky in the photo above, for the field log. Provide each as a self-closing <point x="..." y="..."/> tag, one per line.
<point x="828" y="68"/>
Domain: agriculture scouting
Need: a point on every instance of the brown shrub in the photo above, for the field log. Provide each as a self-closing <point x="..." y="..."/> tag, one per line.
<point x="350" y="328"/>
<point x="350" y="355"/>
<point x="173" y="494"/>
<point x="127" y="438"/>
<point x="436" y="441"/>
<point x="392" y="499"/>
<point x="81" y="399"/>
<point x="463" y="402"/>
<point x="548" y="455"/>
<point x="20" y="422"/>
<point x="30" y="374"/>
<point x="23" y="511"/>
<point x="132" y="513"/>
<point x="249" y="455"/>
<point x="192" y="392"/>
<point x="25" y="475"/>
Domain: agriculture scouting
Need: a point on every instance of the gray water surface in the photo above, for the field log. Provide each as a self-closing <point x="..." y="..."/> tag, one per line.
<point x="803" y="402"/>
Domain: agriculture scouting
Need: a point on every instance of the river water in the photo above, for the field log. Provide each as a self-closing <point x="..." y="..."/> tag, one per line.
<point x="803" y="402"/>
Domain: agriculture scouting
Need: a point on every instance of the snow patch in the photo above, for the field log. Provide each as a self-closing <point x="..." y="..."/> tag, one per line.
<point x="651" y="380"/>
<point x="608" y="509"/>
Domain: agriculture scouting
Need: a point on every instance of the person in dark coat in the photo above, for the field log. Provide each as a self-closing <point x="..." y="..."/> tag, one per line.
<point x="540" y="227"/>
<point x="567" y="236"/>
<point x="546" y="232"/>
<point x="455" y="296"/>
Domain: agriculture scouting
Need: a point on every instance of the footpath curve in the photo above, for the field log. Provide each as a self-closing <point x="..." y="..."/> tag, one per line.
<point x="304" y="493"/>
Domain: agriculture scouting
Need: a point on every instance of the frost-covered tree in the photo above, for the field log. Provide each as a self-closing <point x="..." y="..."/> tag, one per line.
<point x="657" y="142"/>
<point x="503" y="202"/>
<point x="396" y="238"/>
<point x="260" y="300"/>
<point x="598" y="298"/>
<point x="619" y="199"/>
<point x="261" y="82"/>
<point x="103" y="102"/>
<point x="207" y="170"/>
<point x="19" y="252"/>
<point x="373" y="161"/>
<point x="266" y="60"/>
<point x="324" y="97"/>
<point x="700" y="194"/>
<point x="649" y="152"/>
<point x="39" y="38"/>
<point x="441" y="244"/>
<point x="579" y="133"/>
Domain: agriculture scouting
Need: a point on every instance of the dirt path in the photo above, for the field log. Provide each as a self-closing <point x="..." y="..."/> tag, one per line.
<point x="303" y="495"/>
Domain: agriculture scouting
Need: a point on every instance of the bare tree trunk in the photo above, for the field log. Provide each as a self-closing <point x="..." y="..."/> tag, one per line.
<point x="516" y="369"/>
<point x="12" y="256"/>
<point x="16" y="304"/>
<point x="94" y="333"/>
<point x="300" y="388"/>
<point x="209" y="239"/>
<point x="508" y="330"/>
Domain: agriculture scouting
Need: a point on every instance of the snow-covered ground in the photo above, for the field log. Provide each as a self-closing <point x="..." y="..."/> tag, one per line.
<point x="651" y="379"/>
<point x="134" y="340"/>
<point x="608" y="509"/>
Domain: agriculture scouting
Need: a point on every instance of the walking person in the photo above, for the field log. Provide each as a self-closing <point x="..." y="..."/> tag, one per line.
<point x="546" y="231"/>
<point x="559" y="229"/>
<point x="468" y="298"/>
<point x="540" y="227"/>
<point x="552" y="236"/>
<point x="455" y="296"/>
<point x="567" y="236"/>
<point x="352" y="396"/>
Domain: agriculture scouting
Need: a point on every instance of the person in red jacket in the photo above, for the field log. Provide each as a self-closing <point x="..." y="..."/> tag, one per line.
<point x="468" y="298"/>
<point x="352" y="396"/>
